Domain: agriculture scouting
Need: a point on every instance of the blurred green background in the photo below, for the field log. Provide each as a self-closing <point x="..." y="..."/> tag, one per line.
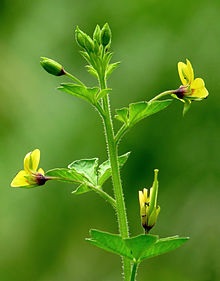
<point x="42" y="230"/>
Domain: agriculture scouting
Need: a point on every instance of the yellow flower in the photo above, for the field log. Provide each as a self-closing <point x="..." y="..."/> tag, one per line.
<point x="191" y="88"/>
<point x="31" y="176"/>
<point x="149" y="210"/>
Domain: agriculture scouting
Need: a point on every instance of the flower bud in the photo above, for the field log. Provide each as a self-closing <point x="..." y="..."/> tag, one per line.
<point x="84" y="40"/>
<point x="52" y="66"/>
<point x="97" y="34"/>
<point x="80" y="37"/>
<point x="106" y="35"/>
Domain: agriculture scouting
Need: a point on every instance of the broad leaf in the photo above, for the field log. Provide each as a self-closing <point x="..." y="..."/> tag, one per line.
<point x="163" y="246"/>
<point x="104" y="170"/>
<point x="87" y="168"/>
<point x="64" y="174"/>
<point x="88" y="94"/>
<point x="140" y="110"/>
<point x="110" y="242"/>
<point x="139" y="244"/>
<point x="135" y="248"/>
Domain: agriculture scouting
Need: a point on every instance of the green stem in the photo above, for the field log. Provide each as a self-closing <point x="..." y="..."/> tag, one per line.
<point x="74" y="78"/>
<point x="134" y="271"/>
<point x="161" y="95"/>
<point x="124" y="128"/>
<point x="105" y="196"/>
<point x="116" y="180"/>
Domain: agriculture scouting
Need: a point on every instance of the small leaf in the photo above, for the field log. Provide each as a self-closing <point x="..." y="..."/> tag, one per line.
<point x="102" y="93"/>
<point x="111" y="67"/>
<point x="80" y="91"/>
<point x="186" y="107"/>
<point x="122" y="115"/>
<point x="139" y="244"/>
<point x="110" y="242"/>
<point x="83" y="188"/>
<point x="164" y="245"/>
<point x="87" y="168"/>
<point x="92" y="70"/>
<point x="64" y="174"/>
<point x="104" y="170"/>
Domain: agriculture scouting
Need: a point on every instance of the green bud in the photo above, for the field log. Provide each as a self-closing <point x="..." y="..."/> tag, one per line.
<point x="97" y="34"/>
<point x="80" y="37"/>
<point x="52" y="66"/>
<point x="89" y="44"/>
<point x="84" y="40"/>
<point x="106" y="35"/>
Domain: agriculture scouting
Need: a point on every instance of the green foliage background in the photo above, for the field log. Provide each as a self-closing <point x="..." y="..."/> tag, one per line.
<point x="42" y="230"/>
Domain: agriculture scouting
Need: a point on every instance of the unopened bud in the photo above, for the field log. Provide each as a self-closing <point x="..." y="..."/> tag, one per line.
<point x="97" y="34"/>
<point x="84" y="40"/>
<point x="106" y="35"/>
<point x="52" y="66"/>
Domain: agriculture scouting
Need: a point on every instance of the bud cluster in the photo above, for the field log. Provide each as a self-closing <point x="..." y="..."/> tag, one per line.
<point x="101" y="39"/>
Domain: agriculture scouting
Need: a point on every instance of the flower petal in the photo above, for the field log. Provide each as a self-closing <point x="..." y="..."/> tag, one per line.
<point x="31" y="161"/>
<point x="186" y="73"/>
<point x="41" y="171"/>
<point x="198" y="89"/>
<point x="20" y="179"/>
<point x="190" y="71"/>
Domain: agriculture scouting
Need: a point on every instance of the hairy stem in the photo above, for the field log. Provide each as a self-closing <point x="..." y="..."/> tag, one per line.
<point x="116" y="180"/>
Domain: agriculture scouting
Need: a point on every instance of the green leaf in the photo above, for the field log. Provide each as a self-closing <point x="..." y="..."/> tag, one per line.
<point x="64" y="174"/>
<point x="135" y="248"/>
<point x="110" y="242"/>
<point x="140" y="110"/>
<point x="102" y="93"/>
<point x="111" y="67"/>
<point x="139" y="244"/>
<point x="186" y="107"/>
<point x="86" y="168"/>
<point x="88" y="94"/>
<point x="104" y="170"/>
<point x="82" y="188"/>
<point x="92" y="71"/>
<point x="122" y="115"/>
<point x="164" y="245"/>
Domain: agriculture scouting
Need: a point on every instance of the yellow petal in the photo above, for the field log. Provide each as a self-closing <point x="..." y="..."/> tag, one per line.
<point x="190" y="71"/>
<point x="31" y="160"/>
<point x="27" y="162"/>
<point x="20" y="180"/>
<point x="198" y="89"/>
<point x="41" y="171"/>
<point x="186" y="73"/>
<point x="141" y="198"/>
